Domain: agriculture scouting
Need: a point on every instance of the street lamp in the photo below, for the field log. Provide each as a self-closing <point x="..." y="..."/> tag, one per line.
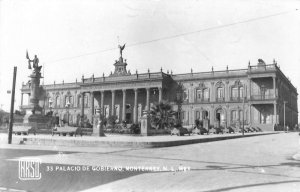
<point x="67" y="108"/>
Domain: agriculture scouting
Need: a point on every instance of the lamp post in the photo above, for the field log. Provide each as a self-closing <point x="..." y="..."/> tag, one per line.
<point x="67" y="108"/>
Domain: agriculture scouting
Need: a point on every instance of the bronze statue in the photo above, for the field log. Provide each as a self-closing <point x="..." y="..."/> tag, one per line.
<point x="35" y="63"/>
<point x="121" y="48"/>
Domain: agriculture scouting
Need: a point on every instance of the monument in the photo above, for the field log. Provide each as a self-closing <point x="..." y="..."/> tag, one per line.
<point x="98" y="127"/>
<point x="35" y="90"/>
<point x="145" y="124"/>
<point x="37" y="120"/>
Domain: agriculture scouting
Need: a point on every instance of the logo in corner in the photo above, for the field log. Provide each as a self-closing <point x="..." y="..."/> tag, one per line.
<point x="29" y="169"/>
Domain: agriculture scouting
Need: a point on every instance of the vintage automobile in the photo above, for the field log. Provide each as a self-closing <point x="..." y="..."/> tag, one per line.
<point x="180" y="131"/>
<point x="199" y="130"/>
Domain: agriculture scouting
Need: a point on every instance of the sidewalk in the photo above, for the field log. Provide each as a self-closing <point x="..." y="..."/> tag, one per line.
<point x="121" y="140"/>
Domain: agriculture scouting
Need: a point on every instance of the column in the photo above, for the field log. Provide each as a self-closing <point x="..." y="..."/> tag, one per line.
<point x="226" y="94"/>
<point x="92" y="107"/>
<point x="212" y="95"/>
<point x="148" y="99"/>
<point x="135" y="112"/>
<point x="274" y="87"/>
<point x="113" y="95"/>
<point x="22" y="100"/>
<point x="82" y="107"/>
<point x="124" y="105"/>
<point x="212" y="115"/>
<point x="275" y="112"/>
<point x="102" y="102"/>
<point x="28" y="99"/>
<point x="249" y="87"/>
<point x="159" y="94"/>
<point x="249" y="114"/>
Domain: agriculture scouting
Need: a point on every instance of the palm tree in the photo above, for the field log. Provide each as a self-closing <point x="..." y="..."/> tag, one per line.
<point x="162" y="115"/>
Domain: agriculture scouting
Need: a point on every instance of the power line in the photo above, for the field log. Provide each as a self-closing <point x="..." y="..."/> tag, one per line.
<point x="179" y="35"/>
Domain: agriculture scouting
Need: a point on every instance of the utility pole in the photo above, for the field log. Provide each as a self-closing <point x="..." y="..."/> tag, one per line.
<point x="12" y="104"/>
<point x="284" y="102"/>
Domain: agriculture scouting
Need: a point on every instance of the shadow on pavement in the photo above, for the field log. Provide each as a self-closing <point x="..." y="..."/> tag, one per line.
<point x="56" y="180"/>
<point x="252" y="185"/>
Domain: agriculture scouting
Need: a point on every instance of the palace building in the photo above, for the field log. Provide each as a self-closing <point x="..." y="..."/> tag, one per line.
<point x="260" y="95"/>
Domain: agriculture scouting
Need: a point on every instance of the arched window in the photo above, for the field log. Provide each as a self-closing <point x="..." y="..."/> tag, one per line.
<point x="185" y="95"/>
<point x="241" y="115"/>
<point x="234" y="116"/>
<point x="71" y="100"/>
<point x="241" y="92"/>
<point x="86" y="102"/>
<point x="199" y="94"/>
<point x="79" y="101"/>
<point x="220" y="94"/>
<point x="57" y="101"/>
<point x="206" y="94"/>
<point x="66" y="101"/>
<point x="237" y="91"/>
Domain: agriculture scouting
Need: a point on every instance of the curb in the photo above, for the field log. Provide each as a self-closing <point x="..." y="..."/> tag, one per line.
<point x="131" y="144"/>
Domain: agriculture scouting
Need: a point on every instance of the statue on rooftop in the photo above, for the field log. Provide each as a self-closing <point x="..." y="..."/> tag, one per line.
<point x="121" y="48"/>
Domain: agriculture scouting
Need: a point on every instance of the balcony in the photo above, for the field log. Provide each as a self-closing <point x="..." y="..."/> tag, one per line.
<point x="262" y="97"/>
<point x="203" y="100"/>
<point x="220" y="99"/>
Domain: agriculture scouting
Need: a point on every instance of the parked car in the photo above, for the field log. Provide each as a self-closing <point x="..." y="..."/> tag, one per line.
<point x="215" y="130"/>
<point x="199" y="130"/>
<point x="180" y="131"/>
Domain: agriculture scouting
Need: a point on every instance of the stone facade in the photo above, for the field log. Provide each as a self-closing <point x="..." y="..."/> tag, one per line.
<point x="224" y="97"/>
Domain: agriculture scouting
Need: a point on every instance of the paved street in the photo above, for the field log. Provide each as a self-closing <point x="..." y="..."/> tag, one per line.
<point x="262" y="163"/>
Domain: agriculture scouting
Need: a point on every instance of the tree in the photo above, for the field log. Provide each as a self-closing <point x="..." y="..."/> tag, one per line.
<point x="162" y="115"/>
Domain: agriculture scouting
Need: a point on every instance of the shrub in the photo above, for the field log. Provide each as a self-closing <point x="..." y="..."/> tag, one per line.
<point x="111" y="120"/>
<point x="135" y="128"/>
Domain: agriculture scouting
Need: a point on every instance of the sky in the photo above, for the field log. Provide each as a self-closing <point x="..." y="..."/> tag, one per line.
<point x="75" y="38"/>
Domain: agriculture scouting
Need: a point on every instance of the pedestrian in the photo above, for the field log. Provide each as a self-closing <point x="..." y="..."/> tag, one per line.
<point x="287" y="128"/>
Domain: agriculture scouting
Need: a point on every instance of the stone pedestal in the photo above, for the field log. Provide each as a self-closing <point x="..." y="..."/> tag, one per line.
<point x="98" y="129"/>
<point x="35" y="92"/>
<point x="145" y="125"/>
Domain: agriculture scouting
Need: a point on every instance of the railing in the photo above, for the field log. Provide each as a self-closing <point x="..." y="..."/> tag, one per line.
<point x="269" y="67"/>
<point x="236" y="99"/>
<point x="262" y="97"/>
<point x="203" y="100"/>
<point x="220" y="99"/>
<point x="131" y="77"/>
